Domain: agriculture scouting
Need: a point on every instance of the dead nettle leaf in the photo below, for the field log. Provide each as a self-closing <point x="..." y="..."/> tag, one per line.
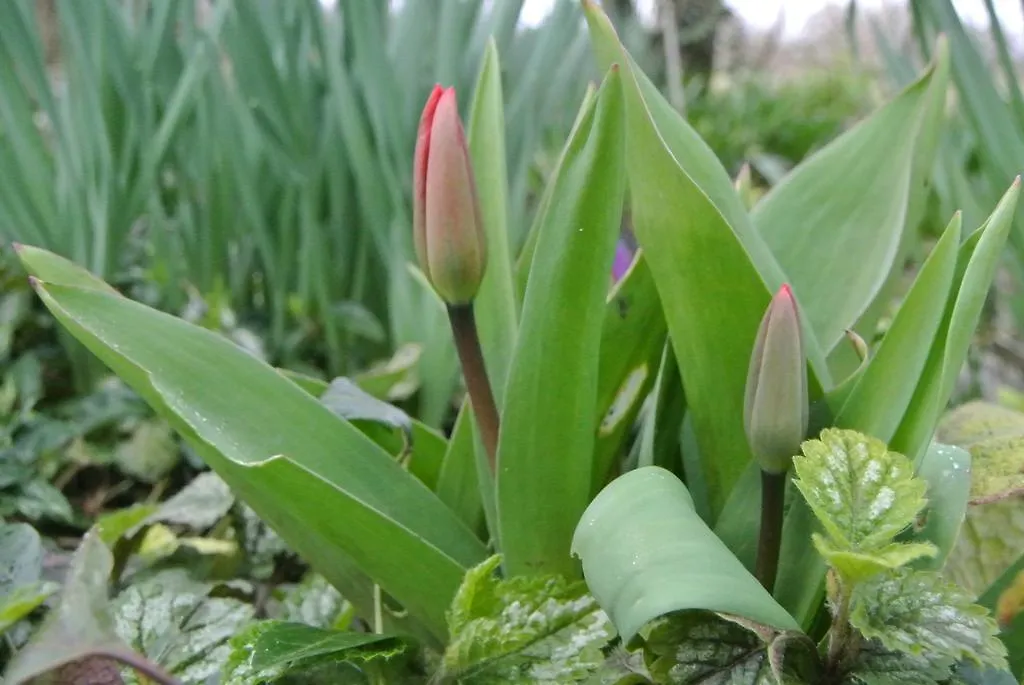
<point x="80" y="626"/>
<point x="199" y="505"/>
<point x="994" y="436"/>
<point x="178" y="623"/>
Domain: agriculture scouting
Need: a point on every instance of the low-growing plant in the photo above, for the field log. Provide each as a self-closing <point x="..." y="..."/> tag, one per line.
<point x="614" y="503"/>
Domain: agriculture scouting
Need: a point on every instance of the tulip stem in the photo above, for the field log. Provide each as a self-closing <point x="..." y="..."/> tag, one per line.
<point x="471" y="357"/>
<point x="773" y="497"/>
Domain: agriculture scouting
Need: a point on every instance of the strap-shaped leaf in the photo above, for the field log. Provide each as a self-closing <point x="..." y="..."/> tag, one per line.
<point x="334" y="495"/>
<point x="646" y="553"/>
<point x="821" y="209"/>
<point x="548" y="426"/>
<point x="976" y="266"/>
<point x="878" y="401"/>
<point x="686" y="211"/>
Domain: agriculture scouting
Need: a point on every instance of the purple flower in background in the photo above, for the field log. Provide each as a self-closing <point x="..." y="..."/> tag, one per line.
<point x="623" y="258"/>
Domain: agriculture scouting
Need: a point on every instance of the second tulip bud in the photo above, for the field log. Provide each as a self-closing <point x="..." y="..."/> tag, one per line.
<point x="775" y="412"/>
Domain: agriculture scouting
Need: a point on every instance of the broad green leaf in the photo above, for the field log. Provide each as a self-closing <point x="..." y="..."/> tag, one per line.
<point x="878" y="401"/>
<point x="918" y="613"/>
<point x="399" y="434"/>
<point x="977" y="261"/>
<point x="268" y="650"/>
<point x="948" y="471"/>
<point x="819" y="209"/>
<point x="685" y="211"/>
<point x="80" y="625"/>
<point x="416" y="444"/>
<point x="863" y="494"/>
<point x="284" y="454"/>
<point x="646" y="553"/>
<point x="527" y="629"/>
<point x="548" y="431"/>
<point x="701" y="647"/>
<point x="877" y="665"/>
<point x="47" y="266"/>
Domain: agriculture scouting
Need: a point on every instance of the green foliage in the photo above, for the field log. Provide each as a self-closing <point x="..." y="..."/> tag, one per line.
<point x="916" y="612"/>
<point x="863" y="495"/>
<point x="397" y="519"/>
<point x="699" y="647"/>
<point x="267" y="651"/>
<point x="21" y="560"/>
<point x="539" y="629"/>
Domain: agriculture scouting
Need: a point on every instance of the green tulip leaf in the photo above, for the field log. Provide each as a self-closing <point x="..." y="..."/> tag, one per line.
<point x="549" y="427"/>
<point x="819" y="210"/>
<point x="646" y="553"/>
<point x="686" y="211"/>
<point x="283" y="453"/>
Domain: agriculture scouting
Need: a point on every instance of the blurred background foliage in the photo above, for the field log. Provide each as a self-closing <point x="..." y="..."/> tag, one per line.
<point x="246" y="164"/>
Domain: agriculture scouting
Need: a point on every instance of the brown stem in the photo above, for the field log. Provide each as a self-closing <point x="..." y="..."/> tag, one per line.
<point x="773" y="496"/>
<point x="140" y="664"/>
<point x="471" y="357"/>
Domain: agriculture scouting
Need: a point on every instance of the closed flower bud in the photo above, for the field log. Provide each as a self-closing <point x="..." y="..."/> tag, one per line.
<point x="447" y="229"/>
<point x="775" y="412"/>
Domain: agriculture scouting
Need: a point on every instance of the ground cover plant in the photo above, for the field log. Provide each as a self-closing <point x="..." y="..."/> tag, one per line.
<point x="695" y="470"/>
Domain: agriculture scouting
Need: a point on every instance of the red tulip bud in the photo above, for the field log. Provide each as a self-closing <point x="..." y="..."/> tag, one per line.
<point x="775" y="412"/>
<point x="447" y="229"/>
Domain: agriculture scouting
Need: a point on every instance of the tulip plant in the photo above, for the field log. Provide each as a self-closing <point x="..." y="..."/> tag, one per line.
<point x="692" y="476"/>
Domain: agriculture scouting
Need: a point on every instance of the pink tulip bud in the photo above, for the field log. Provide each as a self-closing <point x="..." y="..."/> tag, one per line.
<point x="447" y="230"/>
<point x="775" y="412"/>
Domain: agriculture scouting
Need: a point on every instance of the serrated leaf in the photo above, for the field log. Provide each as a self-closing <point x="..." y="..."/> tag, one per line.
<point x="862" y="493"/>
<point x="174" y="621"/>
<point x="877" y="665"/>
<point x="919" y="613"/>
<point x="527" y="629"/>
<point x="267" y="650"/>
<point x="858" y="566"/>
<point x="694" y="647"/>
